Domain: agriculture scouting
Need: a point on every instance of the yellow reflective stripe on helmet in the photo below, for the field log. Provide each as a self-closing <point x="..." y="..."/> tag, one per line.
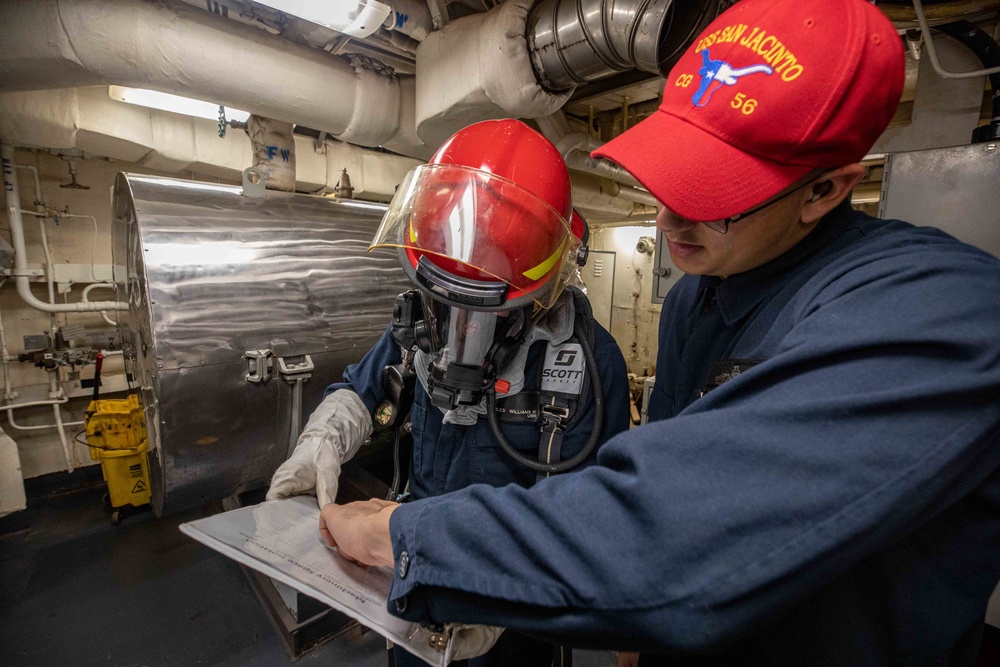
<point x="537" y="272"/>
<point x="413" y="234"/>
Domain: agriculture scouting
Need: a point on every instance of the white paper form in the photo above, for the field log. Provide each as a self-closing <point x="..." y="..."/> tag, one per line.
<point x="280" y="538"/>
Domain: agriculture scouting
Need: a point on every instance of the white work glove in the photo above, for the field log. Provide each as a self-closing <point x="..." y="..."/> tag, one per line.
<point x="471" y="641"/>
<point x="334" y="433"/>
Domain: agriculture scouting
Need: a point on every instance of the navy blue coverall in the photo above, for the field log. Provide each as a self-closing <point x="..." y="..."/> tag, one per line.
<point x="837" y="503"/>
<point x="447" y="457"/>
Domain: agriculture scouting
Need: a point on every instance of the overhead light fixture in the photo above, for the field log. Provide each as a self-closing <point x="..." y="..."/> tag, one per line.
<point x="154" y="99"/>
<point x="356" y="18"/>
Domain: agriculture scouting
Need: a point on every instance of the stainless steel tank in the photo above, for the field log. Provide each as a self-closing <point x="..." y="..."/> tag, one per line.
<point x="234" y="302"/>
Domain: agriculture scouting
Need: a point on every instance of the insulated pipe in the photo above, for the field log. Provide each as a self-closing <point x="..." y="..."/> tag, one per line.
<point x="273" y="146"/>
<point x="49" y="271"/>
<point x="179" y="49"/>
<point x="576" y="148"/>
<point x="20" y="252"/>
<point x="411" y="18"/>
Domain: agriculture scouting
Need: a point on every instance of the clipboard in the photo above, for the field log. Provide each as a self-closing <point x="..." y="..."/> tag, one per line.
<point x="280" y="539"/>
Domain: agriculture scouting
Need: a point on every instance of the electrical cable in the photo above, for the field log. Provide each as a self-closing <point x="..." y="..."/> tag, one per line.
<point x="918" y="9"/>
<point x="984" y="46"/>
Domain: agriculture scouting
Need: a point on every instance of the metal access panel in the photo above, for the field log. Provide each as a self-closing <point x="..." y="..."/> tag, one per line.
<point x="955" y="189"/>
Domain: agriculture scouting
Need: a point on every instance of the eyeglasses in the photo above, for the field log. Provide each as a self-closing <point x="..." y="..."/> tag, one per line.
<point x="722" y="226"/>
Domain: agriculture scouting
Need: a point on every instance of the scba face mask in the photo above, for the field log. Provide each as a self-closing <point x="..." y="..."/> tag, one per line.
<point x="466" y="346"/>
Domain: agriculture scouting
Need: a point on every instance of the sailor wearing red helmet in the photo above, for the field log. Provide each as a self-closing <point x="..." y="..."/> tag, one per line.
<point x="820" y="484"/>
<point x="502" y="369"/>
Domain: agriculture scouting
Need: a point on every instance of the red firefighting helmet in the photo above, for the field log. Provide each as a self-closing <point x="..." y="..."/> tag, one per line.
<point x="492" y="205"/>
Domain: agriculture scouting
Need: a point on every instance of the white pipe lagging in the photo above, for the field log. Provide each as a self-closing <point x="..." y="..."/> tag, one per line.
<point x="176" y="48"/>
<point x="576" y="148"/>
<point x="411" y="17"/>
<point x="20" y="270"/>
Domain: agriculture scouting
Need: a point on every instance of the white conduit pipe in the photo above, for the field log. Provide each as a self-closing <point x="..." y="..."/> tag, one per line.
<point x="176" y="48"/>
<point x="32" y="404"/>
<point x="49" y="271"/>
<point x="38" y="182"/>
<point x="68" y="449"/>
<point x="918" y="9"/>
<point x="57" y="398"/>
<point x="56" y="393"/>
<point x="49" y="277"/>
<point x="86" y="293"/>
<point x="20" y="251"/>
<point x="59" y="214"/>
<point x="19" y="427"/>
<point x="8" y="393"/>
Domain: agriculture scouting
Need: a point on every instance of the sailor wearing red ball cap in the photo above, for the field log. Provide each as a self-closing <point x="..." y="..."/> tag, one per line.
<point x="820" y="480"/>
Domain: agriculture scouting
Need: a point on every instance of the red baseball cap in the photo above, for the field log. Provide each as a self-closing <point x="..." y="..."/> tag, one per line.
<point x="771" y="91"/>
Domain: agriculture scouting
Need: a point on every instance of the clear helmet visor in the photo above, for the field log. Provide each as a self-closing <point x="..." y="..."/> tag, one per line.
<point x="480" y="226"/>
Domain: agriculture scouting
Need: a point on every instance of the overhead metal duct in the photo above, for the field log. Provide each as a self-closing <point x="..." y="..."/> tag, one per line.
<point x="573" y="42"/>
<point x="234" y="302"/>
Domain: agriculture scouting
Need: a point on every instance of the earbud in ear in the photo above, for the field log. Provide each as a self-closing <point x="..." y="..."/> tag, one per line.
<point x="821" y="190"/>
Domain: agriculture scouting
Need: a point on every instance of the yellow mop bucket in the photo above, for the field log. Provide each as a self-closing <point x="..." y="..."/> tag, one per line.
<point x="116" y="433"/>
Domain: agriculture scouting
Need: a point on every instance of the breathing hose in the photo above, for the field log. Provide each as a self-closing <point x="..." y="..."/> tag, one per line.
<point x="595" y="434"/>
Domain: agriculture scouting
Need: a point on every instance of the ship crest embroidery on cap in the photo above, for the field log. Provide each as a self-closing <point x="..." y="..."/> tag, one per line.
<point x="717" y="73"/>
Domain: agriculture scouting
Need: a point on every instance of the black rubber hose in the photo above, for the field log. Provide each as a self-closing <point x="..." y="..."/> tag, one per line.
<point x="595" y="434"/>
<point x="984" y="46"/>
